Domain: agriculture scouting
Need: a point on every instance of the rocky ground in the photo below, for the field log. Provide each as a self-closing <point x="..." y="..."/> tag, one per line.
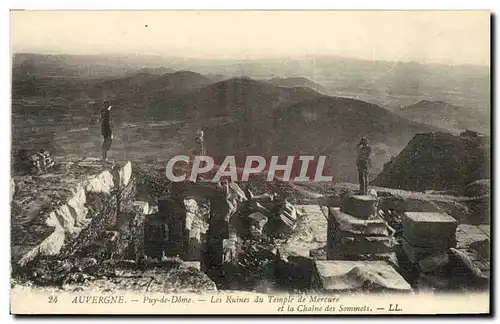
<point x="269" y="265"/>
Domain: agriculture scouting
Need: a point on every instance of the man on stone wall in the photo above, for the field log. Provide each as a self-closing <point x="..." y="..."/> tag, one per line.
<point x="106" y="131"/>
<point x="363" y="163"/>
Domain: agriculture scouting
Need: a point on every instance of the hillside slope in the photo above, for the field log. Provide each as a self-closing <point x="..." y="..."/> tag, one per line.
<point x="297" y="82"/>
<point x="141" y="86"/>
<point x="156" y="118"/>
<point x="447" y="116"/>
<point x="437" y="161"/>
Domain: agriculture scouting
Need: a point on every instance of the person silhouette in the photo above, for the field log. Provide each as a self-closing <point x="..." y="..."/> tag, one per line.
<point x="106" y="131"/>
<point x="363" y="162"/>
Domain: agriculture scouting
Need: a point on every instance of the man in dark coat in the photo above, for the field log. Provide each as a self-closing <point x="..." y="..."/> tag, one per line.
<point x="106" y="131"/>
<point x="363" y="163"/>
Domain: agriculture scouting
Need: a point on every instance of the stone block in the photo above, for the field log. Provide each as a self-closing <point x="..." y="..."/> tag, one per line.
<point x="353" y="245"/>
<point x="482" y="248"/>
<point x="193" y="247"/>
<point x="342" y="222"/>
<point x="257" y="221"/>
<point x="102" y="183"/>
<point x="486" y="229"/>
<point x="334" y="276"/>
<point x="141" y="207"/>
<point x="390" y="257"/>
<point x="465" y="267"/>
<point x="288" y="215"/>
<point x="137" y="237"/>
<point x="125" y="173"/>
<point x="434" y="281"/>
<point x="434" y="261"/>
<point x="318" y="253"/>
<point x="429" y="229"/>
<point x="361" y="206"/>
<point x="192" y="264"/>
<point x="415" y="253"/>
<point x="468" y="235"/>
<point x="63" y="213"/>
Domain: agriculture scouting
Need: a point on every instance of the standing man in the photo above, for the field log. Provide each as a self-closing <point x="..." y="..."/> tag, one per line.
<point x="201" y="141"/>
<point x="106" y="131"/>
<point x="363" y="162"/>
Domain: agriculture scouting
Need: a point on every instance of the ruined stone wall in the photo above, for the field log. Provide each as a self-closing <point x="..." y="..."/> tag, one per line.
<point x="68" y="211"/>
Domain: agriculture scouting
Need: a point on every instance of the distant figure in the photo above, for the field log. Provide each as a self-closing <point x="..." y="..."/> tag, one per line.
<point x="201" y="141"/>
<point x="363" y="162"/>
<point x="106" y="131"/>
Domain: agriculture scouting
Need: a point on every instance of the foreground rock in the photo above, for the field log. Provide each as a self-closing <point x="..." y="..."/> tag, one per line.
<point x="167" y="276"/>
<point x="472" y="237"/>
<point x="67" y="209"/>
<point x="355" y="276"/>
<point x="438" y="161"/>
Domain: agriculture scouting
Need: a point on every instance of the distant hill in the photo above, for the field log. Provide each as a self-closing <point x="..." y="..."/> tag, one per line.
<point x="217" y="77"/>
<point x="437" y="161"/>
<point x="242" y="98"/>
<point x="76" y="66"/>
<point x="333" y="126"/>
<point x="447" y="116"/>
<point x="240" y="116"/>
<point x="156" y="71"/>
<point x="244" y="116"/>
<point x="297" y="82"/>
<point x="140" y="86"/>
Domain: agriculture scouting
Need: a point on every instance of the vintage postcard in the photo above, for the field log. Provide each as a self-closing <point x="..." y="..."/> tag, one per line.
<point x="250" y="162"/>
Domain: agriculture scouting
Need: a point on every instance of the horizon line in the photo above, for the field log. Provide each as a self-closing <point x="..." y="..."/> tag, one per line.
<point x="242" y="58"/>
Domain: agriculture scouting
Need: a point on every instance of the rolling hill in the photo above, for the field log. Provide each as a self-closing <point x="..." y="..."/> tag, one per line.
<point x="453" y="118"/>
<point x="298" y="82"/>
<point x="240" y="116"/>
<point x="142" y="85"/>
<point x="243" y="116"/>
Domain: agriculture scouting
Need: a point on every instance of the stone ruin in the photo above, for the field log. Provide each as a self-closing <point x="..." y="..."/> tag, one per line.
<point x="69" y="228"/>
<point x="357" y="232"/>
<point x="206" y="223"/>
<point x="361" y="248"/>
<point x="430" y="244"/>
<point x="81" y="225"/>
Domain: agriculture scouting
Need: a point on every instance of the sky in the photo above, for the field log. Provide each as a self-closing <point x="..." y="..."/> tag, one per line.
<point x="449" y="37"/>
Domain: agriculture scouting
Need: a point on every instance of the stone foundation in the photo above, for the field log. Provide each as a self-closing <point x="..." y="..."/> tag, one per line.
<point x="61" y="213"/>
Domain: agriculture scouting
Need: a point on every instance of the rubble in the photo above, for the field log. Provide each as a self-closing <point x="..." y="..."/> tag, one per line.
<point x="355" y="245"/>
<point x="466" y="261"/>
<point x="68" y="212"/>
<point x="257" y="224"/>
<point x="309" y="234"/>
<point x="429" y="241"/>
<point x="288" y="215"/>
<point x="474" y="237"/>
<point x="433" y="262"/>
<point x="336" y="275"/>
<point x="205" y="236"/>
<point x="415" y="253"/>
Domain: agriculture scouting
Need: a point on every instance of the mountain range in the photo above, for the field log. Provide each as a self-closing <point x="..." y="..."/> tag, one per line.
<point x="284" y="115"/>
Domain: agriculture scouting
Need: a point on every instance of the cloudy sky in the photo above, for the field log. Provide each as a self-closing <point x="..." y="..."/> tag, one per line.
<point x="452" y="37"/>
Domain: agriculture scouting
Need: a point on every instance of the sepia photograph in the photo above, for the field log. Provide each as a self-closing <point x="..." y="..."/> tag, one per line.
<point x="250" y="162"/>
